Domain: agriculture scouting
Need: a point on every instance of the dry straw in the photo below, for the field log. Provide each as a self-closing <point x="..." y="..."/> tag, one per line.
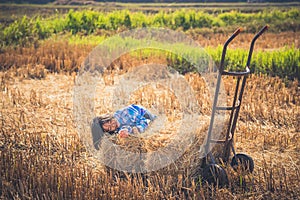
<point x="42" y="157"/>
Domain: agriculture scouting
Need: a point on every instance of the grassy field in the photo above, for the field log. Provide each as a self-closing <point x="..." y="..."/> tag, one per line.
<point x="10" y="12"/>
<point x="42" y="156"/>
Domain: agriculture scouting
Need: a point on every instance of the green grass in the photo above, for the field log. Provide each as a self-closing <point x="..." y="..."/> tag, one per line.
<point x="9" y="12"/>
<point x="93" y="40"/>
<point x="83" y="26"/>
<point x="88" y="22"/>
<point x="283" y="62"/>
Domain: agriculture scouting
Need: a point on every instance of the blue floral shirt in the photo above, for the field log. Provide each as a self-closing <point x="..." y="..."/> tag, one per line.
<point x="133" y="116"/>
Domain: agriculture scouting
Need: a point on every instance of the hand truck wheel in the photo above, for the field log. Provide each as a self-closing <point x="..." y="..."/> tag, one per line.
<point x="215" y="174"/>
<point x="243" y="161"/>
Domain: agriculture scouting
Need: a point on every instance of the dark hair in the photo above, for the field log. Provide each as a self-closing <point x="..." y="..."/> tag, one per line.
<point x="105" y="118"/>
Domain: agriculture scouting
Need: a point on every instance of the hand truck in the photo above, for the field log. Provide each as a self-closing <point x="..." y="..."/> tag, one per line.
<point x="212" y="172"/>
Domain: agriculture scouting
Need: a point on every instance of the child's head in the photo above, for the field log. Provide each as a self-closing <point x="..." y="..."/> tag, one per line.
<point x="108" y="123"/>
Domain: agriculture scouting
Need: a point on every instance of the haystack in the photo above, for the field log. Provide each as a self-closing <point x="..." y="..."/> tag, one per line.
<point x="173" y="148"/>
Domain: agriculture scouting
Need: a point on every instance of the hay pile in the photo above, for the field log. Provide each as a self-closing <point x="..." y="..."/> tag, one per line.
<point x="149" y="155"/>
<point x="169" y="150"/>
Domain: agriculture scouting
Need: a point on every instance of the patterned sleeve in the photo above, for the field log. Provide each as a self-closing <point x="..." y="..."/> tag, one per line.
<point x="142" y="124"/>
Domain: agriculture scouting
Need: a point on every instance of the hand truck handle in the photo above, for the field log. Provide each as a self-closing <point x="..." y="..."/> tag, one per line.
<point x="236" y="32"/>
<point x="253" y="42"/>
<point x="262" y="30"/>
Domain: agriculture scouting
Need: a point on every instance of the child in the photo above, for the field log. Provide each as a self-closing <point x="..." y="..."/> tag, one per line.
<point x="132" y="119"/>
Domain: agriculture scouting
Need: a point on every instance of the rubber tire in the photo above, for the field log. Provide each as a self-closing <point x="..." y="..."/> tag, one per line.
<point x="246" y="161"/>
<point x="215" y="174"/>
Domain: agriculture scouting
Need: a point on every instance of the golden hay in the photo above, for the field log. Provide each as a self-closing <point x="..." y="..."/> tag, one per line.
<point x="43" y="157"/>
<point x="148" y="151"/>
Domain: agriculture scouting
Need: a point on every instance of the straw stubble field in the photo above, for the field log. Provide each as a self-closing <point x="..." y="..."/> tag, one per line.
<point x="42" y="156"/>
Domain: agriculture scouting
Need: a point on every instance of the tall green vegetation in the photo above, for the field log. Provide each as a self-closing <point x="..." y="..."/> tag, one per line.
<point x="284" y="63"/>
<point x="88" y="22"/>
